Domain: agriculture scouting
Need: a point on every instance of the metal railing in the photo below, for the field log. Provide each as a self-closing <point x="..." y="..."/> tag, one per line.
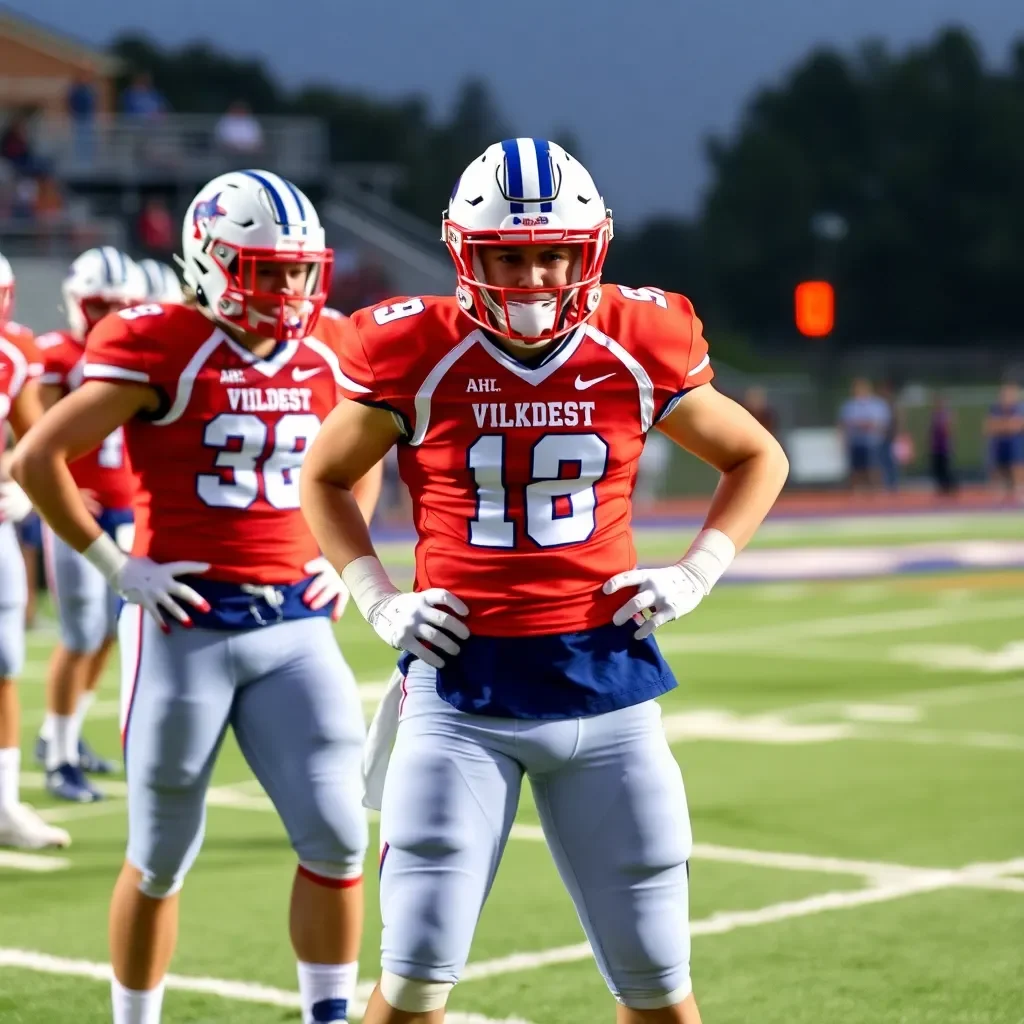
<point x="177" y="147"/>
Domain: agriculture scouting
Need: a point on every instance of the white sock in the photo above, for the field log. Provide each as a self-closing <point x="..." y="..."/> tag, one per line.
<point x="82" y="709"/>
<point x="133" y="1007"/>
<point x="63" y="745"/>
<point x="10" y="766"/>
<point x="326" y="991"/>
<point x="46" y="732"/>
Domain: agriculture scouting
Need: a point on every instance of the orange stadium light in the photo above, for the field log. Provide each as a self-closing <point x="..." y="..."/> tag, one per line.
<point x="815" y="308"/>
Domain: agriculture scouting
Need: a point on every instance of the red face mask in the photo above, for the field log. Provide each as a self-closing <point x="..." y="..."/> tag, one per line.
<point x="497" y="308"/>
<point x="281" y="315"/>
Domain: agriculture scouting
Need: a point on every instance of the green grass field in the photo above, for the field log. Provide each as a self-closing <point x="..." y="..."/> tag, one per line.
<point x="854" y="758"/>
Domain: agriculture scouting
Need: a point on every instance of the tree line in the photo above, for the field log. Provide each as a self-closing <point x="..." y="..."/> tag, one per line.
<point x="897" y="176"/>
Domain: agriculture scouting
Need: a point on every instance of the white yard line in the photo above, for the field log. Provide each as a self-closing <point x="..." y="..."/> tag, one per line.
<point x="887" y="882"/>
<point x="39" y="863"/>
<point x="902" y="882"/>
<point x="239" y="991"/>
<point x="817" y="628"/>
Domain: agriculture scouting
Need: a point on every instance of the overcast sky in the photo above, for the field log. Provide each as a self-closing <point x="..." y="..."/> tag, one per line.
<point x="641" y="82"/>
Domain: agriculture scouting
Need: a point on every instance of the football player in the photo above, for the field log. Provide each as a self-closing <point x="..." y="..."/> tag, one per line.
<point x="20" y="366"/>
<point x="229" y="620"/>
<point x="162" y="284"/>
<point x="522" y="405"/>
<point x="100" y="280"/>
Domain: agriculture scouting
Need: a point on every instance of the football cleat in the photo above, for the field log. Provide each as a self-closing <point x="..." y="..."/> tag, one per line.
<point x="92" y="764"/>
<point x="68" y="782"/>
<point x="22" y="828"/>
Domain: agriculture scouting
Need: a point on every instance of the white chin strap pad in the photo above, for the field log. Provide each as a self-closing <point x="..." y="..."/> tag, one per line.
<point x="531" y="319"/>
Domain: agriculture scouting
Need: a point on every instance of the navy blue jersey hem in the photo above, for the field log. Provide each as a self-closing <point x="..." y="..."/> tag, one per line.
<point x="552" y="677"/>
<point x="232" y="608"/>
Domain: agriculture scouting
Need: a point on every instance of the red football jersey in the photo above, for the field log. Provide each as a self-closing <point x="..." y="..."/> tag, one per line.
<point x="19" y="361"/>
<point x="106" y="471"/>
<point x="218" y="463"/>
<point x="521" y="478"/>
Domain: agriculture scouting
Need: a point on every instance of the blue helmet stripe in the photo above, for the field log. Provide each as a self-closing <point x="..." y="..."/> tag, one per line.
<point x="547" y="187"/>
<point x="303" y="215"/>
<point x="514" y="173"/>
<point x="275" y="198"/>
<point x="107" y="273"/>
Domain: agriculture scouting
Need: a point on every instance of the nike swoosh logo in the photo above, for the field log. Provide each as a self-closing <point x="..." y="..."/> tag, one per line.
<point x="298" y="374"/>
<point x="582" y="385"/>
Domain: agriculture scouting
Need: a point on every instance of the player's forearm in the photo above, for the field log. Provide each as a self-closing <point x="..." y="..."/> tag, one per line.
<point x="746" y="494"/>
<point x="366" y="491"/>
<point x="46" y="479"/>
<point x="336" y="520"/>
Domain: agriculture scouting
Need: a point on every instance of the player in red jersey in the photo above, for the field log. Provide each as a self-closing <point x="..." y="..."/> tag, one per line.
<point x="520" y="407"/>
<point x="20" y="366"/>
<point x="100" y="280"/>
<point x="229" y="620"/>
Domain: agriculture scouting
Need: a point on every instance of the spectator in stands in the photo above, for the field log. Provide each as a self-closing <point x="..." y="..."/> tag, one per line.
<point x="24" y="198"/>
<point x="864" y="422"/>
<point x="238" y="133"/>
<point x="156" y="229"/>
<point x="1004" y="427"/>
<point x="940" y="442"/>
<point x="357" y="281"/>
<point x="755" y="401"/>
<point x="142" y="100"/>
<point x="16" y="145"/>
<point x="81" y="106"/>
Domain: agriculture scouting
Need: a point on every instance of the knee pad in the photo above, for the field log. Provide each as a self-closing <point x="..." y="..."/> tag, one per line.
<point x="158" y="888"/>
<point x="411" y="995"/>
<point x="333" y="876"/>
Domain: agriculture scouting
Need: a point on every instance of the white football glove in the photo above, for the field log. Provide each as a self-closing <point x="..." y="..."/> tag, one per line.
<point x="406" y="621"/>
<point x="15" y="504"/>
<point x="674" y="591"/>
<point x="326" y="587"/>
<point x="147" y="583"/>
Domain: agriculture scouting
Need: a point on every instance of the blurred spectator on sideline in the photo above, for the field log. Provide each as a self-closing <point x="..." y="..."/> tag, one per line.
<point x="891" y="450"/>
<point x="755" y="401"/>
<point x="864" y="420"/>
<point x="652" y="469"/>
<point x="1004" y="427"/>
<point x="142" y="100"/>
<point x="81" y="106"/>
<point x="940" y="443"/>
<point x="395" y="503"/>
<point x="238" y="132"/>
<point x="155" y="229"/>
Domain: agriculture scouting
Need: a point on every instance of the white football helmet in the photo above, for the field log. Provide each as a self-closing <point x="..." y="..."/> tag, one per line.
<point x="527" y="192"/>
<point x="6" y="290"/>
<point x="237" y="224"/>
<point x="100" y="281"/>
<point x="162" y="284"/>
